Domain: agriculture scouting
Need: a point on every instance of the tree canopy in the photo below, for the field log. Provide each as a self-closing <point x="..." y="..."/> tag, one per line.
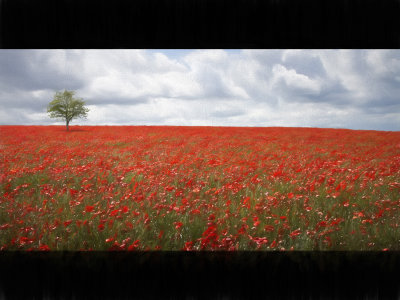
<point x="64" y="106"/>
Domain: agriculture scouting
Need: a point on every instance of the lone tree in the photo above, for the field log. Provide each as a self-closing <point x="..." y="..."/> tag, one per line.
<point x="67" y="108"/>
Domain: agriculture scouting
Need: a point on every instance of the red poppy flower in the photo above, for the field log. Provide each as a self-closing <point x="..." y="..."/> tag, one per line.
<point x="66" y="223"/>
<point x="89" y="208"/>
<point x="134" y="245"/>
<point x="114" y="212"/>
<point x="73" y="192"/>
<point x="269" y="228"/>
<point x="4" y="226"/>
<point x="44" y="248"/>
<point x="178" y="225"/>
<point x="295" y="233"/>
<point x="188" y="246"/>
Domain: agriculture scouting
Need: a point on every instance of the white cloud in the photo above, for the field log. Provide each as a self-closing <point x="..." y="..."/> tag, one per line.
<point x="325" y="88"/>
<point x="292" y="79"/>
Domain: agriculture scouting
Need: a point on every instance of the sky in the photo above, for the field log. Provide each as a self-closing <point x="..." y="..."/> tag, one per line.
<point x="354" y="89"/>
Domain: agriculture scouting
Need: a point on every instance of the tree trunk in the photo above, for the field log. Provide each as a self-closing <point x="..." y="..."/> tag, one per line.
<point x="67" y="126"/>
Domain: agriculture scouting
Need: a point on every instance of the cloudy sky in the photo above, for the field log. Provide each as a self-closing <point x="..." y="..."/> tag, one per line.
<point x="356" y="89"/>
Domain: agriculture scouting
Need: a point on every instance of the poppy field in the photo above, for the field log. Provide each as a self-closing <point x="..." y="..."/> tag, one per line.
<point x="198" y="188"/>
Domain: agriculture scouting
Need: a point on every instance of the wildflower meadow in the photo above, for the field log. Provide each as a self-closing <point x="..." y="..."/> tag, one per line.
<point x="198" y="188"/>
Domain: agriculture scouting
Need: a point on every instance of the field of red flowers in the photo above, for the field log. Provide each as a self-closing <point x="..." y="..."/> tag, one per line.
<point x="198" y="188"/>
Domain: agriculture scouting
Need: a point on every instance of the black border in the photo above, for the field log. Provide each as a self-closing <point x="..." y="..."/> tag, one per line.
<point x="200" y="275"/>
<point x="199" y="24"/>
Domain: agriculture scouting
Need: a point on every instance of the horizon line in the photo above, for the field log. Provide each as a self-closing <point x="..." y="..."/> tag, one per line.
<point x="219" y="126"/>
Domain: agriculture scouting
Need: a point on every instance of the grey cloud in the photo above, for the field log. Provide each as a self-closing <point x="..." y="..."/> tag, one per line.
<point x="213" y="84"/>
<point x="22" y="100"/>
<point x="24" y="116"/>
<point x="307" y="64"/>
<point x="384" y="108"/>
<point x="380" y="80"/>
<point x="355" y="89"/>
<point x="31" y="70"/>
<point x="297" y="92"/>
<point x="332" y="92"/>
<point x="376" y="79"/>
<point x="133" y="61"/>
<point x="266" y="57"/>
<point x="117" y="100"/>
<point x="382" y="88"/>
<point x="225" y="112"/>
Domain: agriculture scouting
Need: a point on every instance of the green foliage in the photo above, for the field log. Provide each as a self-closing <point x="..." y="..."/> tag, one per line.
<point x="64" y="106"/>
